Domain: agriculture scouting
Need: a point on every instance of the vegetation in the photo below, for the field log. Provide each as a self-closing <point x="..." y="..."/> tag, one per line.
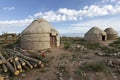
<point x="68" y="41"/>
<point x="95" y="67"/>
<point x="109" y="50"/>
<point x="116" y="44"/>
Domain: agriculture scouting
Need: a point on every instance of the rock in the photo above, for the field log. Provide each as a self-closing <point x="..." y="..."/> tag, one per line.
<point x="115" y="54"/>
<point x="23" y="75"/>
<point x="116" y="61"/>
<point x="100" y="54"/>
<point x="78" y="46"/>
<point x="110" y="62"/>
<point x="114" y="76"/>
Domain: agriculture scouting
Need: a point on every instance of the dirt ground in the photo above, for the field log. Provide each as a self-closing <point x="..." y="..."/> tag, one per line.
<point x="69" y="61"/>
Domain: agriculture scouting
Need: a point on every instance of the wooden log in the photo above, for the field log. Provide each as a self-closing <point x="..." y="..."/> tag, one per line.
<point x="16" y="58"/>
<point x="27" y="63"/>
<point x="41" y="66"/>
<point x="23" y="56"/>
<point x="39" y="57"/>
<point x="34" y="64"/>
<point x="26" y="67"/>
<point x="18" y="65"/>
<point x="14" y="64"/>
<point x="6" y="54"/>
<point x="4" y="68"/>
<point x="13" y="57"/>
<point x="28" y="58"/>
<point x="36" y="55"/>
<point x="21" y="70"/>
<point x="22" y="62"/>
<point x="11" y="60"/>
<point x="9" y="66"/>
<point x="1" y="61"/>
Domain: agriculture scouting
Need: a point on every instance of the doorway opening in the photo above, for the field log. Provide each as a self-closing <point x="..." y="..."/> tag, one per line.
<point x="103" y="37"/>
<point x="53" y="41"/>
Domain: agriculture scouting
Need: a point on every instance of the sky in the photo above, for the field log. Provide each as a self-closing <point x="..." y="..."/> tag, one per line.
<point x="69" y="17"/>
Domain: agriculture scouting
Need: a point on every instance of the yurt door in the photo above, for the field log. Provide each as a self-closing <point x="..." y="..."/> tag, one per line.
<point x="53" y="41"/>
<point x="103" y="37"/>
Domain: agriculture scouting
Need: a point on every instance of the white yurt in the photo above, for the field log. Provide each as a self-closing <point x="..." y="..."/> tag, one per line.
<point x="39" y="35"/>
<point x="95" y="34"/>
<point x="111" y="33"/>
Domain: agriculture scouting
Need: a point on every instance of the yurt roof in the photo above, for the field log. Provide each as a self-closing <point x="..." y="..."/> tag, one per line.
<point x="110" y="31"/>
<point x="38" y="26"/>
<point x="95" y="30"/>
<point x="54" y="30"/>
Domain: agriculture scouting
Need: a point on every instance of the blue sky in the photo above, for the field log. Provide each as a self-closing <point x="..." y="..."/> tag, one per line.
<point x="73" y="17"/>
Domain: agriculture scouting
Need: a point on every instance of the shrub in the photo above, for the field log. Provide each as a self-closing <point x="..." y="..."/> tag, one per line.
<point x="67" y="45"/>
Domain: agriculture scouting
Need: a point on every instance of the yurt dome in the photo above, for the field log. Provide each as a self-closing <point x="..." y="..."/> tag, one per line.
<point x="39" y="35"/>
<point x="111" y="33"/>
<point x="95" y="34"/>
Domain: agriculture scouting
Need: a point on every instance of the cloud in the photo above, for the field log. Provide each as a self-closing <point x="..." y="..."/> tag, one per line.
<point x="16" y="23"/>
<point x="8" y="8"/>
<point x="14" y="26"/>
<point x="65" y="14"/>
<point x="112" y="1"/>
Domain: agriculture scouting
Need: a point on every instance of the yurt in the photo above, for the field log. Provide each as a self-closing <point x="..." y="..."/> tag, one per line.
<point x="39" y="35"/>
<point x="111" y="33"/>
<point x="95" y="34"/>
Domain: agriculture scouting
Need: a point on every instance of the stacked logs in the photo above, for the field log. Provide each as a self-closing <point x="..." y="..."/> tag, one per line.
<point x="15" y="62"/>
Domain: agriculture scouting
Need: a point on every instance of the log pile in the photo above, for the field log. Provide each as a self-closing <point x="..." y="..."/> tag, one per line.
<point x="15" y="62"/>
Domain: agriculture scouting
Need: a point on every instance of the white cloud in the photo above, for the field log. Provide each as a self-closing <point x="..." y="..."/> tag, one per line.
<point x="65" y="14"/>
<point x="14" y="26"/>
<point x="8" y="8"/>
<point x="15" y="23"/>
<point x="110" y="1"/>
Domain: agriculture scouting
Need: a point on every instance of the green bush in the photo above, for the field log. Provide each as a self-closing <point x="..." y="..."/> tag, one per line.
<point x="67" y="45"/>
